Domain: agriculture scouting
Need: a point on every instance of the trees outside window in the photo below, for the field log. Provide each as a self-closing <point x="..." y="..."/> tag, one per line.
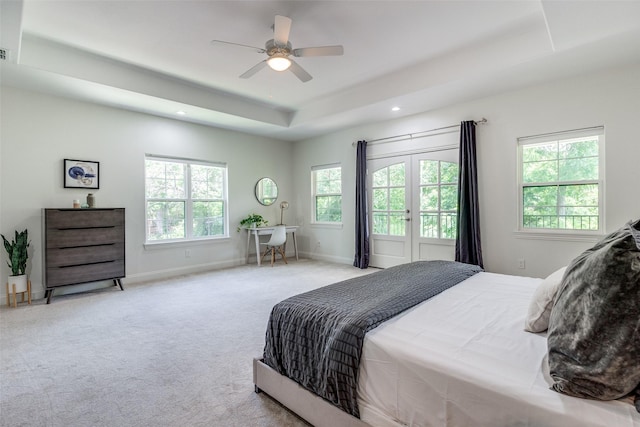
<point x="560" y="181"/>
<point x="185" y="200"/>
<point x="388" y="205"/>
<point x="438" y="199"/>
<point x="326" y="187"/>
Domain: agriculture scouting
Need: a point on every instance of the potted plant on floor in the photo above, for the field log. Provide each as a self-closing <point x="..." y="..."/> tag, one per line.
<point x="17" y="251"/>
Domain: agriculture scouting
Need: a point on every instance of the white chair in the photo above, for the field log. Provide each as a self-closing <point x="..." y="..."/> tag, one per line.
<point x="276" y="243"/>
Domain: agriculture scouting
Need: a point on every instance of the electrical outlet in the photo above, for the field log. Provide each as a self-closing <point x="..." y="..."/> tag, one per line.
<point x="187" y="253"/>
<point x="318" y="244"/>
<point x="521" y="263"/>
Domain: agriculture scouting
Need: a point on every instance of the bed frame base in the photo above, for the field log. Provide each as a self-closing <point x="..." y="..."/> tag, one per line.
<point x="299" y="400"/>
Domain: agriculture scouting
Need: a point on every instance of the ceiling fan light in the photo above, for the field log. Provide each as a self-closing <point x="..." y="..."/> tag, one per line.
<point x="279" y="63"/>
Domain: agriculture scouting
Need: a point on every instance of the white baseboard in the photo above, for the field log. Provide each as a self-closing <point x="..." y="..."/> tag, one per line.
<point x="180" y="271"/>
<point x="327" y="258"/>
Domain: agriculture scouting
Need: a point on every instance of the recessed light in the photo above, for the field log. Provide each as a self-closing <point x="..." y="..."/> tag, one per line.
<point x="395" y="108"/>
<point x="180" y="113"/>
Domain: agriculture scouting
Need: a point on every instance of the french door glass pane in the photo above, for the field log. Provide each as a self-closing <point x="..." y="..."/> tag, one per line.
<point x="380" y="199"/>
<point x="396" y="175"/>
<point x="448" y="197"/>
<point x="428" y="171"/>
<point x="396" y="199"/>
<point x="380" y="223"/>
<point x="429" y="198"/>
<point x="397" y="224"/>
<point x="448" y="225"/>
<point x="429" y="225"/>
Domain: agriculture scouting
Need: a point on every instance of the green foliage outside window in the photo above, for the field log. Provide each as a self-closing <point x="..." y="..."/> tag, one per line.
<point x="438" y="199"/>
<point x="560" y="187"/>
<point x="328" y="194"/>
<point x="388" y="194"/>
<point x="184" y="200"/>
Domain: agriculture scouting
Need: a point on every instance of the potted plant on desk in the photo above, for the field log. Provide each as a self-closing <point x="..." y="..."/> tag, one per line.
<point x="252" y="220"/>
<point x="17" y="251"/>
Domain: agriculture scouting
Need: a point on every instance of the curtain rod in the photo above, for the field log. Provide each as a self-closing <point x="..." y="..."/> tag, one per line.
<point x="411" y="135"/>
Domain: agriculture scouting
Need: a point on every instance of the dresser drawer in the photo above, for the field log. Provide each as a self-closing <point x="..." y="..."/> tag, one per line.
<point x="69" y="238"/>
<point x="84" y="218"/>
<point x="60" y="276"/>
<point x="69" y="256"/>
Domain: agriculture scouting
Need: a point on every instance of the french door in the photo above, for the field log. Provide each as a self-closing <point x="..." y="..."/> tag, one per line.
<point x="412" y="207"/>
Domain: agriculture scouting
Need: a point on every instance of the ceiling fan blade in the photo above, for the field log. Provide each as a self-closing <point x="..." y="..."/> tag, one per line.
<point x="257" y="49"/>
<point x="281" y="30"/>
<point x="251" y="71"/>
<point x="319" y="51"/>
<point x="299" y="72"/>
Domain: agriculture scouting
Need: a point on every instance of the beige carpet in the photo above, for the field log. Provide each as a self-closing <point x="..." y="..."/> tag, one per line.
<point x="176" y="352"/>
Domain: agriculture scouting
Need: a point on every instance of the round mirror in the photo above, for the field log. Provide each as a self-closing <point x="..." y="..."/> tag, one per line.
<point x="266" y="191"/>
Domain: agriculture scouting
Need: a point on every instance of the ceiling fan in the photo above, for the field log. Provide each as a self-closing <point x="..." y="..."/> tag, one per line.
<point x="280" y="51"/>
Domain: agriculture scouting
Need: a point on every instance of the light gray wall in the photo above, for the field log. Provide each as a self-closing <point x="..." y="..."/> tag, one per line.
<point x="610" y="98"/>
<point x="39" y="131"/>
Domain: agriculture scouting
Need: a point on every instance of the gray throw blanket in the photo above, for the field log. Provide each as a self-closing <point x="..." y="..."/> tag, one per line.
<point x="315" y="338"/>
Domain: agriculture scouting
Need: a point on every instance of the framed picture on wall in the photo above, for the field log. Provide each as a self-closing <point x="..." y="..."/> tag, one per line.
<point x="81" y="174"/>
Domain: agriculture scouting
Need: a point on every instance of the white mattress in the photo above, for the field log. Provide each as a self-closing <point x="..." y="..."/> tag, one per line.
<point x="463" y="358"/>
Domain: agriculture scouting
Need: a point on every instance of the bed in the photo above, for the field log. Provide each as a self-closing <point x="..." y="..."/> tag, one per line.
<point x="459" y="358"/>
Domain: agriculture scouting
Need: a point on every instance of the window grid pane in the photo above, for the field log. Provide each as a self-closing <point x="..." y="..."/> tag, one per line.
<point x="207" y="182"/>
<point x="184" y="200"/>
<point x="327" y="197"/>
<point x="329" y="208"/>
<point x="165" y="180"/>
<point x="438" y="199"/>
<point x="165" y="220"/>
<point x="208" y="219"/>
<point x="389" y="200"/>
<point x="559" y="184"/>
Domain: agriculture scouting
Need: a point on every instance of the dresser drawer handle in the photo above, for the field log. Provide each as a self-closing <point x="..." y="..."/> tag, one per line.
<point x="86" y="263"/>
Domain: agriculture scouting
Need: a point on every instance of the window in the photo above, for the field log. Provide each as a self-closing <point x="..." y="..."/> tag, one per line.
<point x="388" y="206"/>
<point x="560" y="181"/>
<point x="185" y="200"/>
<point x="438" y="199"/>
<point x="326" y="183"/>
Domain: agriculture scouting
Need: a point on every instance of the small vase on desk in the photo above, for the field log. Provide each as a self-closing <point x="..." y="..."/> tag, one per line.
<point x="91" y="200"/>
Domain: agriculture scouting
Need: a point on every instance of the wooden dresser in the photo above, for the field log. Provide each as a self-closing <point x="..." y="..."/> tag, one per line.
<point x="81" y="246"/>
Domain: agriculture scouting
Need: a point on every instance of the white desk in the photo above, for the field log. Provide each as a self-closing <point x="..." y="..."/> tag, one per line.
<point x="261" y="231"/>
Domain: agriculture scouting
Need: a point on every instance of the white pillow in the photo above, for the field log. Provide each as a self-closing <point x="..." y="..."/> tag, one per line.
<point x="540" y="307"/>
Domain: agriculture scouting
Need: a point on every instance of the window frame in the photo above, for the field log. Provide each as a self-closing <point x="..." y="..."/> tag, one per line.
<point x="188" y="200"/>
<point x="561" y="233"/>
<point x="314" y="194"/>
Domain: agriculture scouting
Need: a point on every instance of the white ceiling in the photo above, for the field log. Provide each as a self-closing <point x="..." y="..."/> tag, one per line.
<point x="155" y="56"/>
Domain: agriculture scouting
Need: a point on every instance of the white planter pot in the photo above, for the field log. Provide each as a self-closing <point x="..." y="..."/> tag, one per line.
<point x="20" y="282"/>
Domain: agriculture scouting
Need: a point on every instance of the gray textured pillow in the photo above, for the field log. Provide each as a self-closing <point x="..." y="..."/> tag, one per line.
<point x="594" y="329"/>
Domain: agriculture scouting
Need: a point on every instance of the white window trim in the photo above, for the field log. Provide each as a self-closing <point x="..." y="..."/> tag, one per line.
<point x="314" y="221"/>
<point x="562" y="234"/>
<point x="188" y="202"/>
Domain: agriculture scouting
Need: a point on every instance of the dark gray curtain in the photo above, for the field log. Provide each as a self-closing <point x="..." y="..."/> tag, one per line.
<point x="468" y="248"/>
<point x="361" y="258"/>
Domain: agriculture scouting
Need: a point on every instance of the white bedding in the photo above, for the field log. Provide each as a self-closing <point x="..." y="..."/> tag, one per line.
<point x="463" y="359"/>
